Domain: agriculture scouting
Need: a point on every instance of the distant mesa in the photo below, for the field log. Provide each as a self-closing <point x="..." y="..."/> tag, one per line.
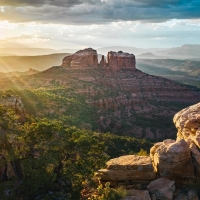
<point x="147" y="55"/>
<point x="116" y="61"/>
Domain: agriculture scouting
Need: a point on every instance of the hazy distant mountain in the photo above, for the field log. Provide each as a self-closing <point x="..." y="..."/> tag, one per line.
<point x="17" y="73"/>
<point x="24" y="63"/>
<point x="183" y="52"/>
<point x="32" y="51"/>
<point x="182" y="71"/>
<point x="134" y="50"/>
<point x="148" y="56"/>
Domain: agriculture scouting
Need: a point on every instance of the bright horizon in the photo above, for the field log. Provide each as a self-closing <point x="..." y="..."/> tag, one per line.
<point x="79" y="24"/>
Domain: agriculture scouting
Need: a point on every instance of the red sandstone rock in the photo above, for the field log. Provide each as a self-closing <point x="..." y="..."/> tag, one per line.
<point x="120" y="60"/>
<point x="82" y="59"/>
<point x="103" y="62"/>
<point x="67" y="61"/>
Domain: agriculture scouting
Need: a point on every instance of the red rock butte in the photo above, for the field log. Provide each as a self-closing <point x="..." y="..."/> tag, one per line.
<point x="120" y="60"/>
<point x="81" y="59"/>
<point x="116" y="61"/>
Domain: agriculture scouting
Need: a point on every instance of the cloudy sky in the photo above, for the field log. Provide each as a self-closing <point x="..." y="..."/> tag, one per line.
<point x="99" y="23"/>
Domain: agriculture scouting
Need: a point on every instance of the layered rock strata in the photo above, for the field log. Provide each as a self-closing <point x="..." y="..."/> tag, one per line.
<point x="120" y="60"/>
<point x="116" y="61"/>
<point x="81" y="59"/>
<point x="130" y="167"/>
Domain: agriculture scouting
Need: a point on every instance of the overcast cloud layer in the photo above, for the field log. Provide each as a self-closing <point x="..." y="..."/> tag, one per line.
<point x="98" y="23"/>
<point x="97" y="11"/>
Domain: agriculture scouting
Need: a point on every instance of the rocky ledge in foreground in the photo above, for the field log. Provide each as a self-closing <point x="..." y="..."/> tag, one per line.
<point x="171" y="170"/>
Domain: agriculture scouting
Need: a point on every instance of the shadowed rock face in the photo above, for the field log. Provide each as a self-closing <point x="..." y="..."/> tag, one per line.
<point x="81" y="59"/>
<point x="120" y="60"/>
<point x="103" y="63"/>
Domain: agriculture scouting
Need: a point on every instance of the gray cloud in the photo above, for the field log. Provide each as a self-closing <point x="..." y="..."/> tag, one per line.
<point x="39" y="2"/>
<point x="98" y="11"/>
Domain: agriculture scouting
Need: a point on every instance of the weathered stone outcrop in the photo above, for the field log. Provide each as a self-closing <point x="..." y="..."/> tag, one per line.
<point x="130" y="167"/>
<point x="81" y="59"/>
<point x="120" y="60"/>
<point x="175" y="162"/>
<point x="172" y="159"/>
<point x="187" y="121"/>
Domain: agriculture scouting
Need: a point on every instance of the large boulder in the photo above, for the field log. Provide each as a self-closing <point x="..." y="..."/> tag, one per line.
<point x="128" y="168"/>
<point x="162" y="188"/>
<point x="187" y="121"/>
<point x="172" y="159"/>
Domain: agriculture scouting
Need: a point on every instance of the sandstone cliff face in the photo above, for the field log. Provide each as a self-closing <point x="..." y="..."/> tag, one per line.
<point x="67" y="61"/>
<point x="120" y="60"/>
<point x="175" y="163"/>
<point x="82" y="59"/>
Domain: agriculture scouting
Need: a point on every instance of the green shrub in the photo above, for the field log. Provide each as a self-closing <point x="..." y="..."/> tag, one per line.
<point x="142" y="152"/>
<point x="107" y="193"/>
